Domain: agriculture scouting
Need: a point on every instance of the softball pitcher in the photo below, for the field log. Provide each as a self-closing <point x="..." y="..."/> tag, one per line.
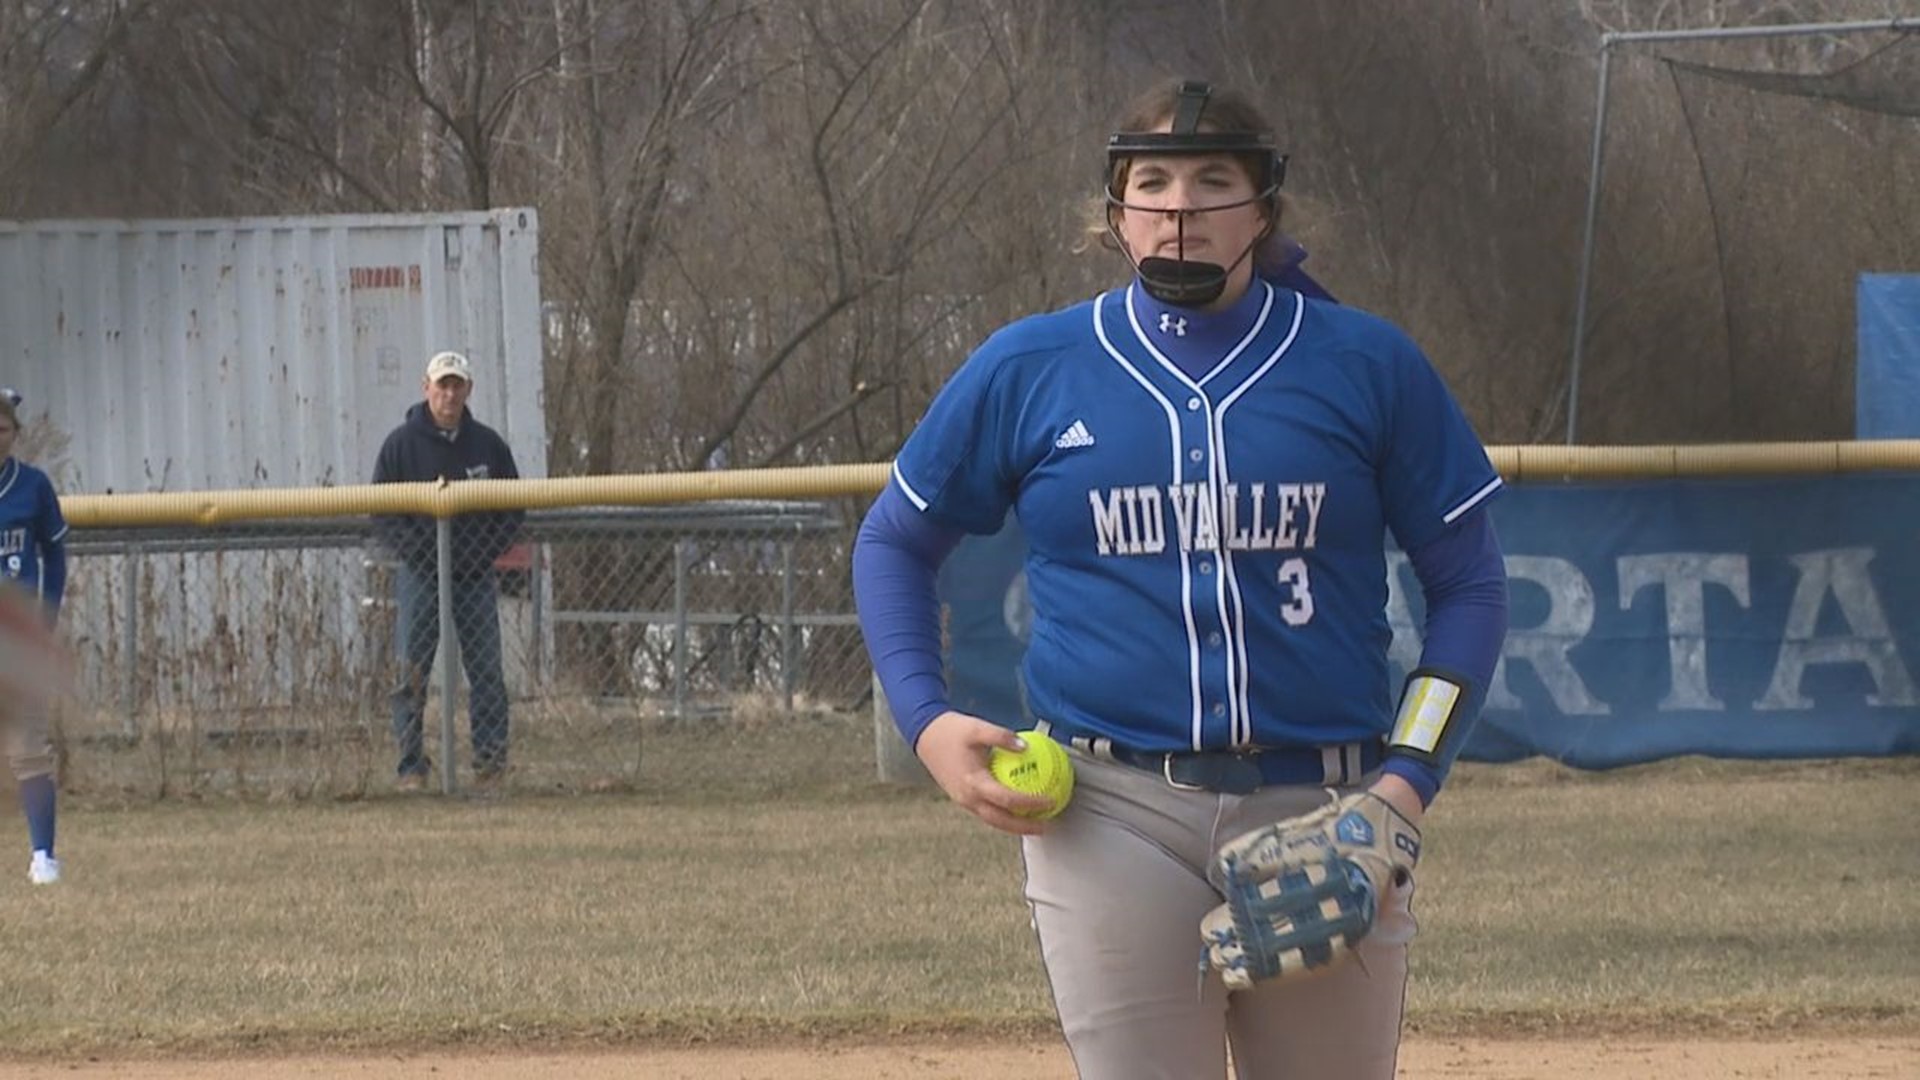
<point x="33" y="560"/>
<point x="1206" y="462"/>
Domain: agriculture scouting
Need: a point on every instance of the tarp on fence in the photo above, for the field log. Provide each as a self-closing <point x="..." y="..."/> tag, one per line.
<point x="1746" y="619"/>
<point x="1887" y="368"/>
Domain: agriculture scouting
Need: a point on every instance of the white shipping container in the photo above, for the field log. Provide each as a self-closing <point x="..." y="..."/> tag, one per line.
<point x="243" y="353"/>
<point x="263" y="352"/>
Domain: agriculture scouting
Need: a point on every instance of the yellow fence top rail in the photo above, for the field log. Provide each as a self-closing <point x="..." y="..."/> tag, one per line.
<point x="1518" y="464"/>
<point x="209" y="508"/>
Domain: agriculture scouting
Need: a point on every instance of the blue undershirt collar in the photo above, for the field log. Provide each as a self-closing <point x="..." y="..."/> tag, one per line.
<point x="1196" y="340"/>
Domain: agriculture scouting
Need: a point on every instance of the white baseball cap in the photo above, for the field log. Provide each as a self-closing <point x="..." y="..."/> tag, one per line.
<point x="449" y="363"/>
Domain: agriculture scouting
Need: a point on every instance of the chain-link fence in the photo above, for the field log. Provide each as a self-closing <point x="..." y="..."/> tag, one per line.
<point x="308" y="657"/>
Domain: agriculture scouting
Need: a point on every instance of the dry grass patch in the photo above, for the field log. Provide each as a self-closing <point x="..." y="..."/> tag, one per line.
<point x="757" y="884"/>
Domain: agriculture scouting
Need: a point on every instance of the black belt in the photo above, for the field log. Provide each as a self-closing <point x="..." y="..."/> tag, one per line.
<point x="1240" y="772"/>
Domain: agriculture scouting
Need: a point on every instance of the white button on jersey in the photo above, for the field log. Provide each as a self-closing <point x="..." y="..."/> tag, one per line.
<point x="1194" y="455"/>
<point x="1193" y="404"/>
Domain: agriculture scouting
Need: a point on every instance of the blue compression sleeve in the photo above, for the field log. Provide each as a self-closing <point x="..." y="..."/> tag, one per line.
<point x="53" y="578"/>
<point x="1464" y="579"/>
<point x="896" y="563"/>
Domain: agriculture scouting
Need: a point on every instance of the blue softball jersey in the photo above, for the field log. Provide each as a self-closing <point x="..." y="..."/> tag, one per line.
<point x="30" y="522"/>
<point x="1207" y="561"/>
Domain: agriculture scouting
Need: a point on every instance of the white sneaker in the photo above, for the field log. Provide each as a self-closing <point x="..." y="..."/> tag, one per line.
<point x="45" y="869"/>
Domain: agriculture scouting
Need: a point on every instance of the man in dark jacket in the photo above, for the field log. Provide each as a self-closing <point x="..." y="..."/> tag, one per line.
<point x="441" y="440"/>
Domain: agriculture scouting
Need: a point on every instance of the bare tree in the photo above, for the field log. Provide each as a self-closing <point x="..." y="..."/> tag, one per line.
<point x="769" y="231"/>
<point x="365" y="104"/>
<point x="638" y="85"/>
<point x="851" y="249"/>
<point x="1428" y="151"/>
<point x="53" y="57"/>
<point x="1727" y="255"/>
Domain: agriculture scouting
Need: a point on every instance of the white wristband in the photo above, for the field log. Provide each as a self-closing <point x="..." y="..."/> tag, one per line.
<point x="1427" y="708"/>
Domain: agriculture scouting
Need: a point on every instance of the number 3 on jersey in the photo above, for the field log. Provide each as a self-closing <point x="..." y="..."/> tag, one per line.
<point x="1293" y="575"/>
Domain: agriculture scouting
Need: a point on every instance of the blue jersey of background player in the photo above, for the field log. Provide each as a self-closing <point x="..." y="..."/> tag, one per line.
<point x="32" y="532"/>
<point x="32" y="557"/>
<point x="1206" y="463"/>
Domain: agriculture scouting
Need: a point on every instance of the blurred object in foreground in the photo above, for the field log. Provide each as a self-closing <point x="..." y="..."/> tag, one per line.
<point x="34" y="669"/>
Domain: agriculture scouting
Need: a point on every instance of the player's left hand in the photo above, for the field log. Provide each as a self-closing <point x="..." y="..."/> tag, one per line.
<point x="1303" y="892"/>
<point x="954" y="748"/>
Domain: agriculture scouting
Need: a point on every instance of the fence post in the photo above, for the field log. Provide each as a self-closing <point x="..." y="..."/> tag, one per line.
<point x="449" y="654"/>
<point x="130" y="645"/>
<point x="679" y="629"/>
<point x="538" y="600"/>
<point x="897" y="762"/>
<point x="787" y="650"/>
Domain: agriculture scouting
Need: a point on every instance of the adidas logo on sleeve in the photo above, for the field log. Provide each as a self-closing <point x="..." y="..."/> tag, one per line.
<point x="1074" y="437"/>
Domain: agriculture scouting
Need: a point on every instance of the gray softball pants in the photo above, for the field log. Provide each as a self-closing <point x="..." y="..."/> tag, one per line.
<point x="1118" y="885"/>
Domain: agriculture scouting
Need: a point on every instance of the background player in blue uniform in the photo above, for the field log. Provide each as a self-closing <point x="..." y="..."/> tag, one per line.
<point x="32" y="557"/>
<point x="1206" y="463"/>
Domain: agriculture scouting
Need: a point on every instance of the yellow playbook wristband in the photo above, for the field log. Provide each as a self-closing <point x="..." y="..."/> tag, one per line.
<point x="1427" y="709"/>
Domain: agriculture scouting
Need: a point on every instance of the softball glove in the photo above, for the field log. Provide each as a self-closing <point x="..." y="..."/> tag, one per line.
<point x="1303" y="892"/>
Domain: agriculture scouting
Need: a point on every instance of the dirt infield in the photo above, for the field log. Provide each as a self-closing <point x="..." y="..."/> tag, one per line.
<point x="1433" y="1059"/>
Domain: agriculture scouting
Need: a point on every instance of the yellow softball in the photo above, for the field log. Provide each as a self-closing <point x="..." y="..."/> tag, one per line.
<point x="1043" y="768"/>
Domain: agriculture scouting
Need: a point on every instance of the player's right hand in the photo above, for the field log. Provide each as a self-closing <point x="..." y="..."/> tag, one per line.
<point x="954" y="748"/>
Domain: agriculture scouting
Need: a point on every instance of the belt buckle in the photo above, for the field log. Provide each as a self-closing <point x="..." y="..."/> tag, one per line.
<point x="1166" y="772"/>
<point x="1240" y="773"/>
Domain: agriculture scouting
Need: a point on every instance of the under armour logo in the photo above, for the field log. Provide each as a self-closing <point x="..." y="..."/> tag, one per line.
<point x="1170" y="325"/>
<point x="1074" y="437"/>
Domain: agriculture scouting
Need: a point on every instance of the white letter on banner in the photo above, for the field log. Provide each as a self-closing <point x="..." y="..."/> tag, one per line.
<point x="1569" y="618"/>
<point x="1406" y="646"/>
<point x="1685" y="578"/>
<point x="1016" y="609"/>
<point x="1841" y="572"/>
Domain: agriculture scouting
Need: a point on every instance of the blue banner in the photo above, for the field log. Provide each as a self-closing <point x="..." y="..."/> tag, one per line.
<point x="1887" y="364"/>
<point x="1749" y="619"/>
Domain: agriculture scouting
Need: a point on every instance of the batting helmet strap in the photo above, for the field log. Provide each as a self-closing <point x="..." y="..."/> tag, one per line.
<point x="1192" y="102"/>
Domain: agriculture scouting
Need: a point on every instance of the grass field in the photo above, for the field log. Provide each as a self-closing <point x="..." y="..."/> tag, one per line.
<point x="756" y="883"/>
